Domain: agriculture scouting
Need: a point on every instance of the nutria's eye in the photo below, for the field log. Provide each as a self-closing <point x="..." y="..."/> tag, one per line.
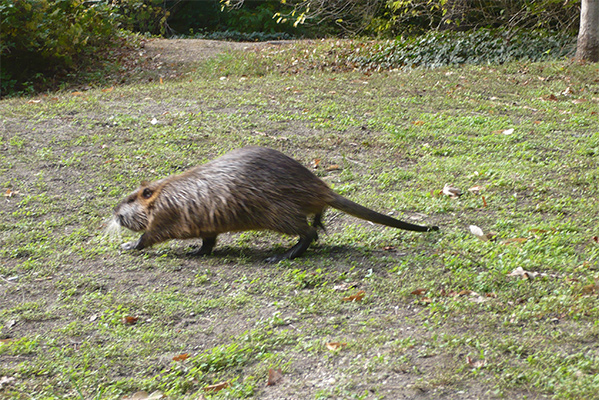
<point x="147" y="193"/>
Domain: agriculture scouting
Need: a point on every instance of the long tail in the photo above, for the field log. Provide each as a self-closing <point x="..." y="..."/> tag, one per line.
<point x="352" y="208"/>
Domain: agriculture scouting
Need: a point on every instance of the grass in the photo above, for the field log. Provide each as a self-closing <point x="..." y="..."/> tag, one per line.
<point x="441" y="317"/>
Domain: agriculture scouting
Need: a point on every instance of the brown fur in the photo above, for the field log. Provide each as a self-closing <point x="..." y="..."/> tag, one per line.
<point x="253" y="188"/>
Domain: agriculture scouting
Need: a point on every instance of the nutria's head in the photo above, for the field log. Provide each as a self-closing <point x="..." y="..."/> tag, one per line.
<point x="134" y="211"/>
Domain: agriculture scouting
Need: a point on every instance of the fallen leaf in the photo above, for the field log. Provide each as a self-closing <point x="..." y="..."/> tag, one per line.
<point x="514" y="240"/>
<point x="475" y="364"/>
<point x="10" y="193"/>
<point x="333" y="167"/>
<point x="181" y="357"/>
<point x="154" y="121"/>
<point x="578" y="101"/>
<point x="465" y="292"/>
<point x="595" y="239"/>
<point x="128" y="320"/>
<point x="108" y="90"/>
<point x="418" y="123"/>
<point x="4" y="380"/>
<point x="550" y="98"/>
<point x="534" y="230"/>
<point x="484" y="202"/>
<point x="143" y="395"/>
<point x="519" y="271"/>
<point x="217" y="387"/>
<point x="419" y="292"/>
<point x="475" y="189"/>
<point x="537" y="122"/>
<point x="274" y="376"/>
<point x="355" y="297"/>
<point x="424" y="300"/>
<point x="452" y="192"/>
<point x="389" y="248"/>
<point x="161" y="80"/>
<point x="8" y="340"/>
<point x="477" y="231"/>
<point x="77" y="94"/>
<point x="567" y="92"/>
<point x="508" y="131"/>
<point x="333" y="346"/>
<point x="315" y="163"/>
<point x="36" y="101"/>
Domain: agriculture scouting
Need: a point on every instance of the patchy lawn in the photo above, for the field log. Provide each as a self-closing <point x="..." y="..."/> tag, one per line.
<point x="447" y="314"/>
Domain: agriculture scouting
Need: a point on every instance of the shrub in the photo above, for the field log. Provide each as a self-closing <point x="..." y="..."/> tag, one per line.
<point x="42" y="38"/>
<point x="144" y="16"/>
<point x="484" y="46"/>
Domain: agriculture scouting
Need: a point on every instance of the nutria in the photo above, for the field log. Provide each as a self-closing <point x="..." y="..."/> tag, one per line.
<point x="253" y="188"/>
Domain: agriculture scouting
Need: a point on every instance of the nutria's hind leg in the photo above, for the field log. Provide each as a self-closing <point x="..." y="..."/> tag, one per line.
<point x="317" y="221"/>
<point x="207" y="245"/>
<point x="298" y="249"/>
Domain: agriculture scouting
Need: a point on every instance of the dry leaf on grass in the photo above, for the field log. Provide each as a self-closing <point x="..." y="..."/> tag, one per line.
<point x="274" y="376"/>
<point x="514" y="240"/>
<point x="451" y="191"/>
<point x="355" y="297"/>
<point x="475" y="363"/>
<point x="315" y="163"/>
<point x="477" y="231"/>
<point x="217" y="387"/>
<point x="475" y="189"/>
<point x="142" y="395"/>
<point x="10" y="193"/>
<point x="128" y="320"/>
<point x="519" y="271"/>
<point x="5" y="380"/>
<point x="181" y="357"/>
<point x="419" y="292"/>
<point x="333" y="346"/>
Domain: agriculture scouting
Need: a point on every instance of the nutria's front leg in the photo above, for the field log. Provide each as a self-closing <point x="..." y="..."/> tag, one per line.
<point x="144" y="241"/>
<point x="298" y="249"/>
<point x="207" y="245"/>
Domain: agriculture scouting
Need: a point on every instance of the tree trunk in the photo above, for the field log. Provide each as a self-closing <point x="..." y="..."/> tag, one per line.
<point x="587" y="41"/>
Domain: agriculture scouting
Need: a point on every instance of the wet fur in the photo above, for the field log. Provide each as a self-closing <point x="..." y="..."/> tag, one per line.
<point x="253" y="188"/>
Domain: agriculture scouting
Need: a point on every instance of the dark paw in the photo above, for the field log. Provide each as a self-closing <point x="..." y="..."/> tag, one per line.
<point x="275" y="259"/>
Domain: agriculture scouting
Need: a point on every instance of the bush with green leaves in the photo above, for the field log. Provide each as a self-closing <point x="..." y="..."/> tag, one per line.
<point x="144" y="16"/>
<point x="42" y="38"/>
<point x="484" y="46"/>
<point x="417" y="16"/>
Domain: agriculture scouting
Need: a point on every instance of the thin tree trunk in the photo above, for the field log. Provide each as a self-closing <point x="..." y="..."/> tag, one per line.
<point x="587" y="41"/>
